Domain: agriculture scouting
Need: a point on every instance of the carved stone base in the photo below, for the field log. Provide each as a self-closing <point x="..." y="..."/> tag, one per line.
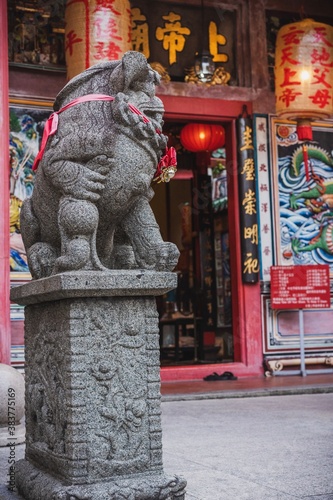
<point x="34" y="484"/>
<point x="93" y="415"/>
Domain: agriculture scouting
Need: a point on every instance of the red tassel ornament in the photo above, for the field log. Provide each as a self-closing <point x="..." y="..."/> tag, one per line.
<point x="304" y="130"/>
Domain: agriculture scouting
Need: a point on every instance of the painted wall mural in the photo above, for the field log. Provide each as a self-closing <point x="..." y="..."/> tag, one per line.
<point x="303" y="209"/>
<point x="295" y="226"/>
<point x="26" y="129"/>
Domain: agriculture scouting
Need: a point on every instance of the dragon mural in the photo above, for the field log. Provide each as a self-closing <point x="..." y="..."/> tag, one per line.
<point x="306" y="207"/>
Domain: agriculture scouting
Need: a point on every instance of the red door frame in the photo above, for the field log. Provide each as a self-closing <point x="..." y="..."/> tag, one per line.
<point x="246" y="297"/>
<point x="5" y="337"/>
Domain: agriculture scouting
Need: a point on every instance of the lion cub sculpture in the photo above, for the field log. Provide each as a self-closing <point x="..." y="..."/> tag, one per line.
<point x="90" y="206"/>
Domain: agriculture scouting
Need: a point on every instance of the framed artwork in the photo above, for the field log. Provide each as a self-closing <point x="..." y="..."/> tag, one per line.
<point x="302" y="204"/>
<point x="27" y="121"/>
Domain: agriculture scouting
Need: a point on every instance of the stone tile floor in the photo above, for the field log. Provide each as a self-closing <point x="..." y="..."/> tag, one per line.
<point x="231" y="445"/>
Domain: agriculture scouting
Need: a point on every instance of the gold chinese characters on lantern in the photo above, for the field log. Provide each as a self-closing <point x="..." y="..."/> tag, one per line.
<point x="304" y="74"/>
<point x="96" y="31"/>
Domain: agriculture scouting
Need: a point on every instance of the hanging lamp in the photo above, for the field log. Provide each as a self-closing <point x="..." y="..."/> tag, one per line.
<point x="197" y="137"/>
<point x="204" y="65"/>
<point x="304" y="76"/>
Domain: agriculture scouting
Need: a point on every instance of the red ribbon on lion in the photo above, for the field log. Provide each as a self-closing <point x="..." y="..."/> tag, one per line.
<point x="166" y="168"/>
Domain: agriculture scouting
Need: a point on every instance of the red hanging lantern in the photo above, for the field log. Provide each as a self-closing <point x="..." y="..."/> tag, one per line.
<point x="197" y="137"/>
<point x="95" y="31"/>
<point x="304" y="75"/>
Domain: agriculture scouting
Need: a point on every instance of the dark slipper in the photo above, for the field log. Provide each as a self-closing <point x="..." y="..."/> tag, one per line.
<point x="213" y="376"/>
<point x="227" y="376"/>
<point x="223" y="376"/>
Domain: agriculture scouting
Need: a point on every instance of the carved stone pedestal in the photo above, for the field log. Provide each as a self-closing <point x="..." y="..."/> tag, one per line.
<point x="93" y="412"/>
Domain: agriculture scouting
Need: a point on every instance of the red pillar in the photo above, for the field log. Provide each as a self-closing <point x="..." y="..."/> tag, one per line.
<point x="5" y="338"/>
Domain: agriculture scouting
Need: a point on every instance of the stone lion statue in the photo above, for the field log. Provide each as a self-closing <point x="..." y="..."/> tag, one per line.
<point x="90" y="206"/>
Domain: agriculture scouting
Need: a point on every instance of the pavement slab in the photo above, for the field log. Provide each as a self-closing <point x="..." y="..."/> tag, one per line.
<point x="252" y="448"/>
<point x="262" y="448"/>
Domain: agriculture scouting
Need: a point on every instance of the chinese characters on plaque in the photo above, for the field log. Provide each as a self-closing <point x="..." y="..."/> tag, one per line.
<point x="173" y="34"/>
<point x="248" y="201"/>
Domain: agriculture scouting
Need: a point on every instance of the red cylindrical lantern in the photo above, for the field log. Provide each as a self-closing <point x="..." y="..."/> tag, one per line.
<point x="196" y="137"/>
<point x="95" y="31"/>
<point x="304" y="74"/>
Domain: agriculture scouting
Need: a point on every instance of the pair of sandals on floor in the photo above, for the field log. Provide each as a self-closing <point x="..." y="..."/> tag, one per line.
<point x="223" y="376"/>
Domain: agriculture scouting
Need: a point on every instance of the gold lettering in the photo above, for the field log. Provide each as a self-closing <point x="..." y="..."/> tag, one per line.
<point x="247" y="139"/>
<point x="251" y="232"/>
<point x="248" y="169"/>
<point x="172" y="35"/>
<point x="216" y="39"/>
<point x="250" y="265"/>
<point x="140" y="37"/>
<point x="249" y="202"/>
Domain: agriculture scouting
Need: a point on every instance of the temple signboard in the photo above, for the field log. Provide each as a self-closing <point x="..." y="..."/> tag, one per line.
<point x="300" y="287"/>
<point x="168" y="34"/>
